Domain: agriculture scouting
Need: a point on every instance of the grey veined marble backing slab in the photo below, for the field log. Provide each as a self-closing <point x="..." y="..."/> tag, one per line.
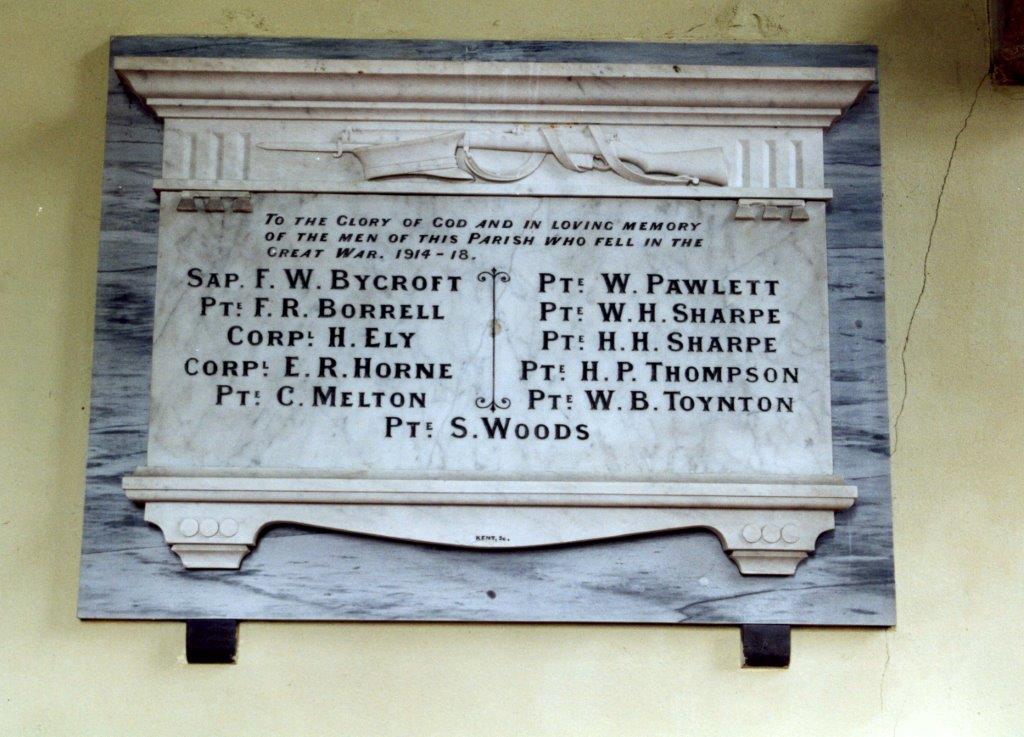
<point x="129" y="572"/>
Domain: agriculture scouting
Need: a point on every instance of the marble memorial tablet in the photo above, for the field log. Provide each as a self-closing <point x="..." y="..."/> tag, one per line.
<point x="488" y="305"/>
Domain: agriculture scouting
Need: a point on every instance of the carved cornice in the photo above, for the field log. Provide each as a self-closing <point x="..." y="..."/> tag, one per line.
<point x="301" y="89"/>
<point x="614" y="130"/>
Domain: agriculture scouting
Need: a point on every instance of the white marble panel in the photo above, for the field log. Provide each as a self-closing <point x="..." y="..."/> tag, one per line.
<point x="529" y="286"/>
<point x="759" y="406"/>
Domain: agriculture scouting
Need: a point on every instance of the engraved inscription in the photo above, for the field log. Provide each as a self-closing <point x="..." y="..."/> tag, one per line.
<point x="477" y="334"/>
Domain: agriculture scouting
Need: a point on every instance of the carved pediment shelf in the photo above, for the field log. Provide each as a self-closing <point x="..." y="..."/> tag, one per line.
<point x="228" y="121"/>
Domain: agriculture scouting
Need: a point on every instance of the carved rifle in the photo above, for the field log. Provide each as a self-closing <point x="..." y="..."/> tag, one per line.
<point x="579" y="149"/>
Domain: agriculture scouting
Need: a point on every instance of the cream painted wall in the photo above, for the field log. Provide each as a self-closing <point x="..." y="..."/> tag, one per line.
<point x="953" y="152"/>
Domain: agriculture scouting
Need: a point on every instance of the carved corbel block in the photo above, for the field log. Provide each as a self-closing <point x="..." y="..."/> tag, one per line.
<point x="215" y="202"/>
<point x="770" y="209"/>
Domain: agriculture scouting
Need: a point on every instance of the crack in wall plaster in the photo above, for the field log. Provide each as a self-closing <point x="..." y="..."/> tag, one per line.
<point x="927" y="256"/>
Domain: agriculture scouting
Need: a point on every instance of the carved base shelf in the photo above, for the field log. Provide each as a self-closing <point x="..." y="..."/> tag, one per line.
<point x="766" y="526"/>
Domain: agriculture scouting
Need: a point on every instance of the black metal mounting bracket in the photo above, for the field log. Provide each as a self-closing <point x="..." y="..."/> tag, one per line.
<point x="211" y="640"/>
<point x="216" y="641"/>
<point x="765" y="645"/>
